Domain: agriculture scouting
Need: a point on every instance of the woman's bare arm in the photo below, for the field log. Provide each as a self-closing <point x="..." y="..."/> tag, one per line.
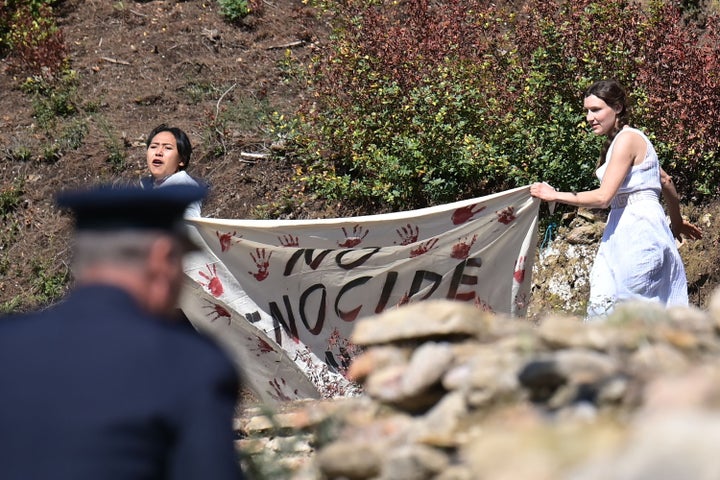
<point x="678" y="225"/>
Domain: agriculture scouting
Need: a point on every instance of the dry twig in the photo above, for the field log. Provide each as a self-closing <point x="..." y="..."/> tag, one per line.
<point x="297" y="43"/>
<point x="113" y="60"/>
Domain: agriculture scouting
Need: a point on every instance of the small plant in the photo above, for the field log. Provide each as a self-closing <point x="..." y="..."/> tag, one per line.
<point x="52" y="97"/>
<point x="248" y="113"/>
<point x="197" y="91"/>
<point x="215" y="132"/>
<point x="10" y="198"/>
<point x="51" y="153"/>
<point x="117" y="156"/>
<point x="73" y="135"/>
<point x="234" y="10"/>
<point x="91" y="106"/>
<point x="285" y="204"/>
<point x="49" y="283"/>
<point x="11" y="306"/>
<point x="290" y="68"/>
<point x="18" y="153"/>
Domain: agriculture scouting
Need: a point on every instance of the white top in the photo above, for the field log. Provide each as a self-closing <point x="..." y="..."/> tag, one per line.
<point x="182" y="178"/>
<point x="644" y="176"/>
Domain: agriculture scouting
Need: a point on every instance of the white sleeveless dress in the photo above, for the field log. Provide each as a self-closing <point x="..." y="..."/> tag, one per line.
<point x="637" y="257"/>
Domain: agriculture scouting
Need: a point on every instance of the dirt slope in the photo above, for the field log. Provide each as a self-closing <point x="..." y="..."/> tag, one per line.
<point x="140" y="64"/>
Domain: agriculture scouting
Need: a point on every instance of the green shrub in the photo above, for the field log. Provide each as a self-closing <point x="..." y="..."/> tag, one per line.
<point x="29" y="34"/>
<point x="73" y="134"/>
<point x="52" y="97"/>
<point x="10" y="198"/>
<point x="416" y="103"/>
<point x="234" y="10"/>
<point x="49" y="282"/>
<point x="116" y="146"/>
<point x="18" y="153"/>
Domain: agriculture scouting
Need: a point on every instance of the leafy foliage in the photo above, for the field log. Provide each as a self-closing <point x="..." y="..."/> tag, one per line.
<point x="52" y="97"/>
<point x="28" y="32"/>
<point x="235" y="10"/>
<point x="49" y="282"/>
<point x="10" y="198"/>
<point x="421" y="102"/>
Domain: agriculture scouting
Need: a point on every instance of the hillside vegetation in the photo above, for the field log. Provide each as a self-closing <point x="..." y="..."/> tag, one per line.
<point x="315" y="109"/>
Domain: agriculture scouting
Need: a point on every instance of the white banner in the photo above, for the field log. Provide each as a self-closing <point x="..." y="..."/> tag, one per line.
<point x="283" y="295"/>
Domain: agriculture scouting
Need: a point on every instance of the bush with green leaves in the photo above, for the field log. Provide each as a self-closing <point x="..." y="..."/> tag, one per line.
<point x="49" y="281"/>
<point x="670" y="65"/>
<point x="31" y="39"/>
<point x="10" y="198"/>
<point x="419" y="102"/>
<point x="234" y="10"/>
<point x="52" y="97"/>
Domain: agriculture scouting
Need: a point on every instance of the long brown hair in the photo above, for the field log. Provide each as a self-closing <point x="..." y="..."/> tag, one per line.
<point x="613" y="93"/>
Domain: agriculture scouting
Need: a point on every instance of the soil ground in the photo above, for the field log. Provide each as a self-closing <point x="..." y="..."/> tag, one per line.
<point x="142" y="63"/>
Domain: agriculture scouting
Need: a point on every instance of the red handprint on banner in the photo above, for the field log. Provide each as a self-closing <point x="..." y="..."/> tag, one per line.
<point x="262" y="263"/>
<point x="279" y="394"/>
<point x="461" y="250"/>
<point x="506" y="215"/>
<point x="289" y="241"/>
<point x="353" y="239"/>
<point x="226" y="239"/>
<point x="261" y="346"/>
<point x="408" y="234"/>
<point x="423" y="248"/>
<point x="213" y="284"/>
<point x="463" y="214"/>
<point x="217" y="311"/>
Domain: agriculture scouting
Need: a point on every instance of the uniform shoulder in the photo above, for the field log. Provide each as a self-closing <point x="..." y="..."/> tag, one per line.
<point x="203" y="348"/>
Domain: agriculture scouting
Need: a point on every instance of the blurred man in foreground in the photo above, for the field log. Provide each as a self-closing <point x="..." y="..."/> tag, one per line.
<point x="105" y="384"/>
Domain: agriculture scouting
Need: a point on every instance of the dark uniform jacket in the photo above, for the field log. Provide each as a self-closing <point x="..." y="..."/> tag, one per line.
<point x="94" y="388"/>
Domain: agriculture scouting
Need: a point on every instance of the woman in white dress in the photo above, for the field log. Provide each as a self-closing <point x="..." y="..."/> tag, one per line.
<point x="168" y="156"/>
<point x="638" y="257"/>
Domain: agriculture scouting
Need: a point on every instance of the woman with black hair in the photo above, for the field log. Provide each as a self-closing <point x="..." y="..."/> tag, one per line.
<point x="168" y="156"/>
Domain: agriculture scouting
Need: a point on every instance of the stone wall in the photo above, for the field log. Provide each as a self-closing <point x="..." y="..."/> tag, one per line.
<point x="451" y="392"/>
<point x="563" y="263"/>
